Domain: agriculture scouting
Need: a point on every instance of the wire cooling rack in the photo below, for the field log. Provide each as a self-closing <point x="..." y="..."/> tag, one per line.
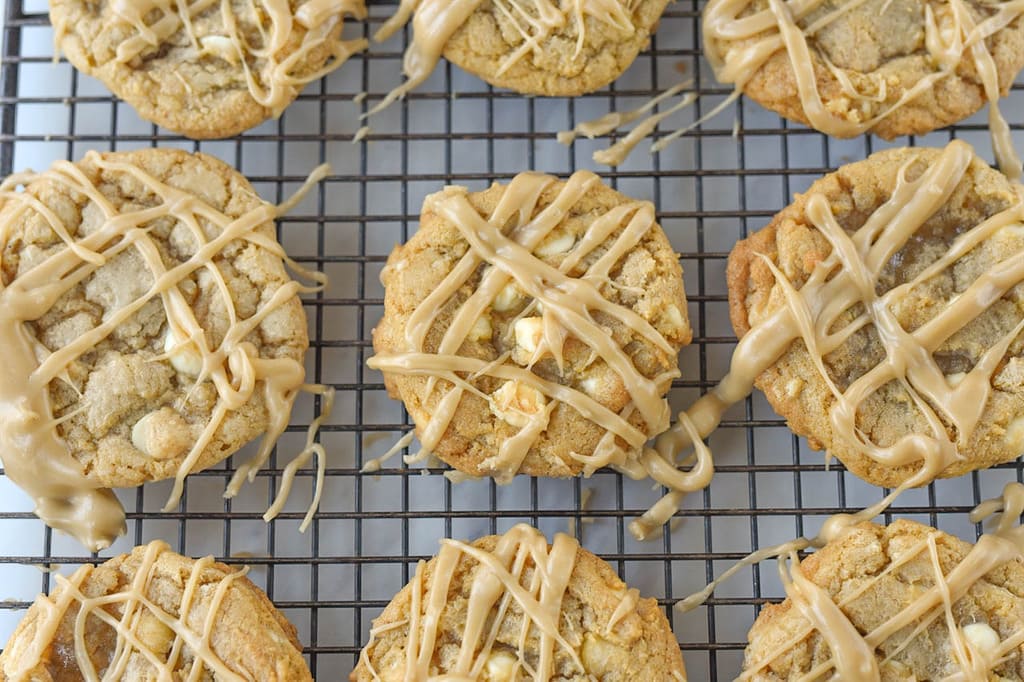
<point x="722" y="180"/>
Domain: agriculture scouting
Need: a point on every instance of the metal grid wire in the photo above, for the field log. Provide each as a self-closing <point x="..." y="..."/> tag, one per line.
<point x="710" y="188"/>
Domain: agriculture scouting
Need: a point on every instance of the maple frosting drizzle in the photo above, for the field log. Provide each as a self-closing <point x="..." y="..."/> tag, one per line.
<point x="505" y="242"/>
<point x="853" y="653"/>
<point x="436" y="21"/>
<point x="34" y="455"/>
<point x="274" y="85"/>
<point x="522" y="571"/>
<point x="140" y="616"/>
<point x="752" y="37"/>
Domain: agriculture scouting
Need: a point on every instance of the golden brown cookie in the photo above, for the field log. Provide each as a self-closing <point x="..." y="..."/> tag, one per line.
<point x="537" y="47"/>
<point x="882" y="587"/>
<point x="567" y="60"/>
<point x="484" y="611"/>
<point x="533" y="327"/>
<point x="150" y="328"/>
<point x="892" y="67"/>
<point x="153" y="614"/>
<point x="230" y="67"/>
<point x="885" y="310"/>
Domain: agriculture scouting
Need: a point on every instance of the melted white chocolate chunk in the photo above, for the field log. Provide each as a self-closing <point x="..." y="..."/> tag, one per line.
<point x="183" y="354"/>
<point x="509" y="298"/>
<point x="516" y="403"/>
<point x="501" y="667"/>
<point x="983" y="639"/>
<point x="34" y="455"/>
<point x="162" y="434"/>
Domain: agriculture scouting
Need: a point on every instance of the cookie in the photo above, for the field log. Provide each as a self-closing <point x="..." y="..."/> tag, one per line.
<point x="884" y="311"/>
<point x="228" y="68"/>
<point x="533" y="327"/>
<point x="535" y="47"/>
<point x="484" y="611"/>
<point x="896" y="603"/>
<point x="149" y="328"/>
<point x="153" y="614"/>
<point x="892" y="67"/>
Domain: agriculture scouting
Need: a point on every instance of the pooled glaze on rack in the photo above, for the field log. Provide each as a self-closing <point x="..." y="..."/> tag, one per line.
<point x="853" y="654"/>
<point x="846" y="278"/>
<point x="34" y="455"/>
<point x="952" y="35"/>
<point x="566" y="303"/>
<point x="273" y="86"/>
<point x="137" y="607"/>
<point x="522" y="571"/>
<point x="436" y="21"/>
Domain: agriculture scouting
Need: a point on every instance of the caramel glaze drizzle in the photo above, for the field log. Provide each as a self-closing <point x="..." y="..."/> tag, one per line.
<point x="136" y="606"/>
<point x="500" y="581"/>
<point x="34" y="455"/>
<point x="952" y="35"/>
<point x="436" y="21"/>
<point x="854" y="653"/>
<point x="566" y="303"/>
<point x="276" y="23"/>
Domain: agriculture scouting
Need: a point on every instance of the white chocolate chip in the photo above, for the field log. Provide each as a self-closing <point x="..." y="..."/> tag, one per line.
<point x="558" y="241"/>
<point x="500" y="667"/>
<point x="154" y="635"/>
<point x="590" y="386"/>
<point x="529" y="332"/>
<point x="508" y="298"/>
<point x="162" y="434"/>
<point x="184" y="358"/>
<point x="515" y="403"/>
<point x="982" y="637"/>
<point x="1015" y="432"/>
<point x="674" y="318"/>
<point x="141" y="432"/>
<point x="220" y="46"/>
<point x="598" y="656"/>
<point x="955" y="378"/>
<point x="481" y="329"/>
